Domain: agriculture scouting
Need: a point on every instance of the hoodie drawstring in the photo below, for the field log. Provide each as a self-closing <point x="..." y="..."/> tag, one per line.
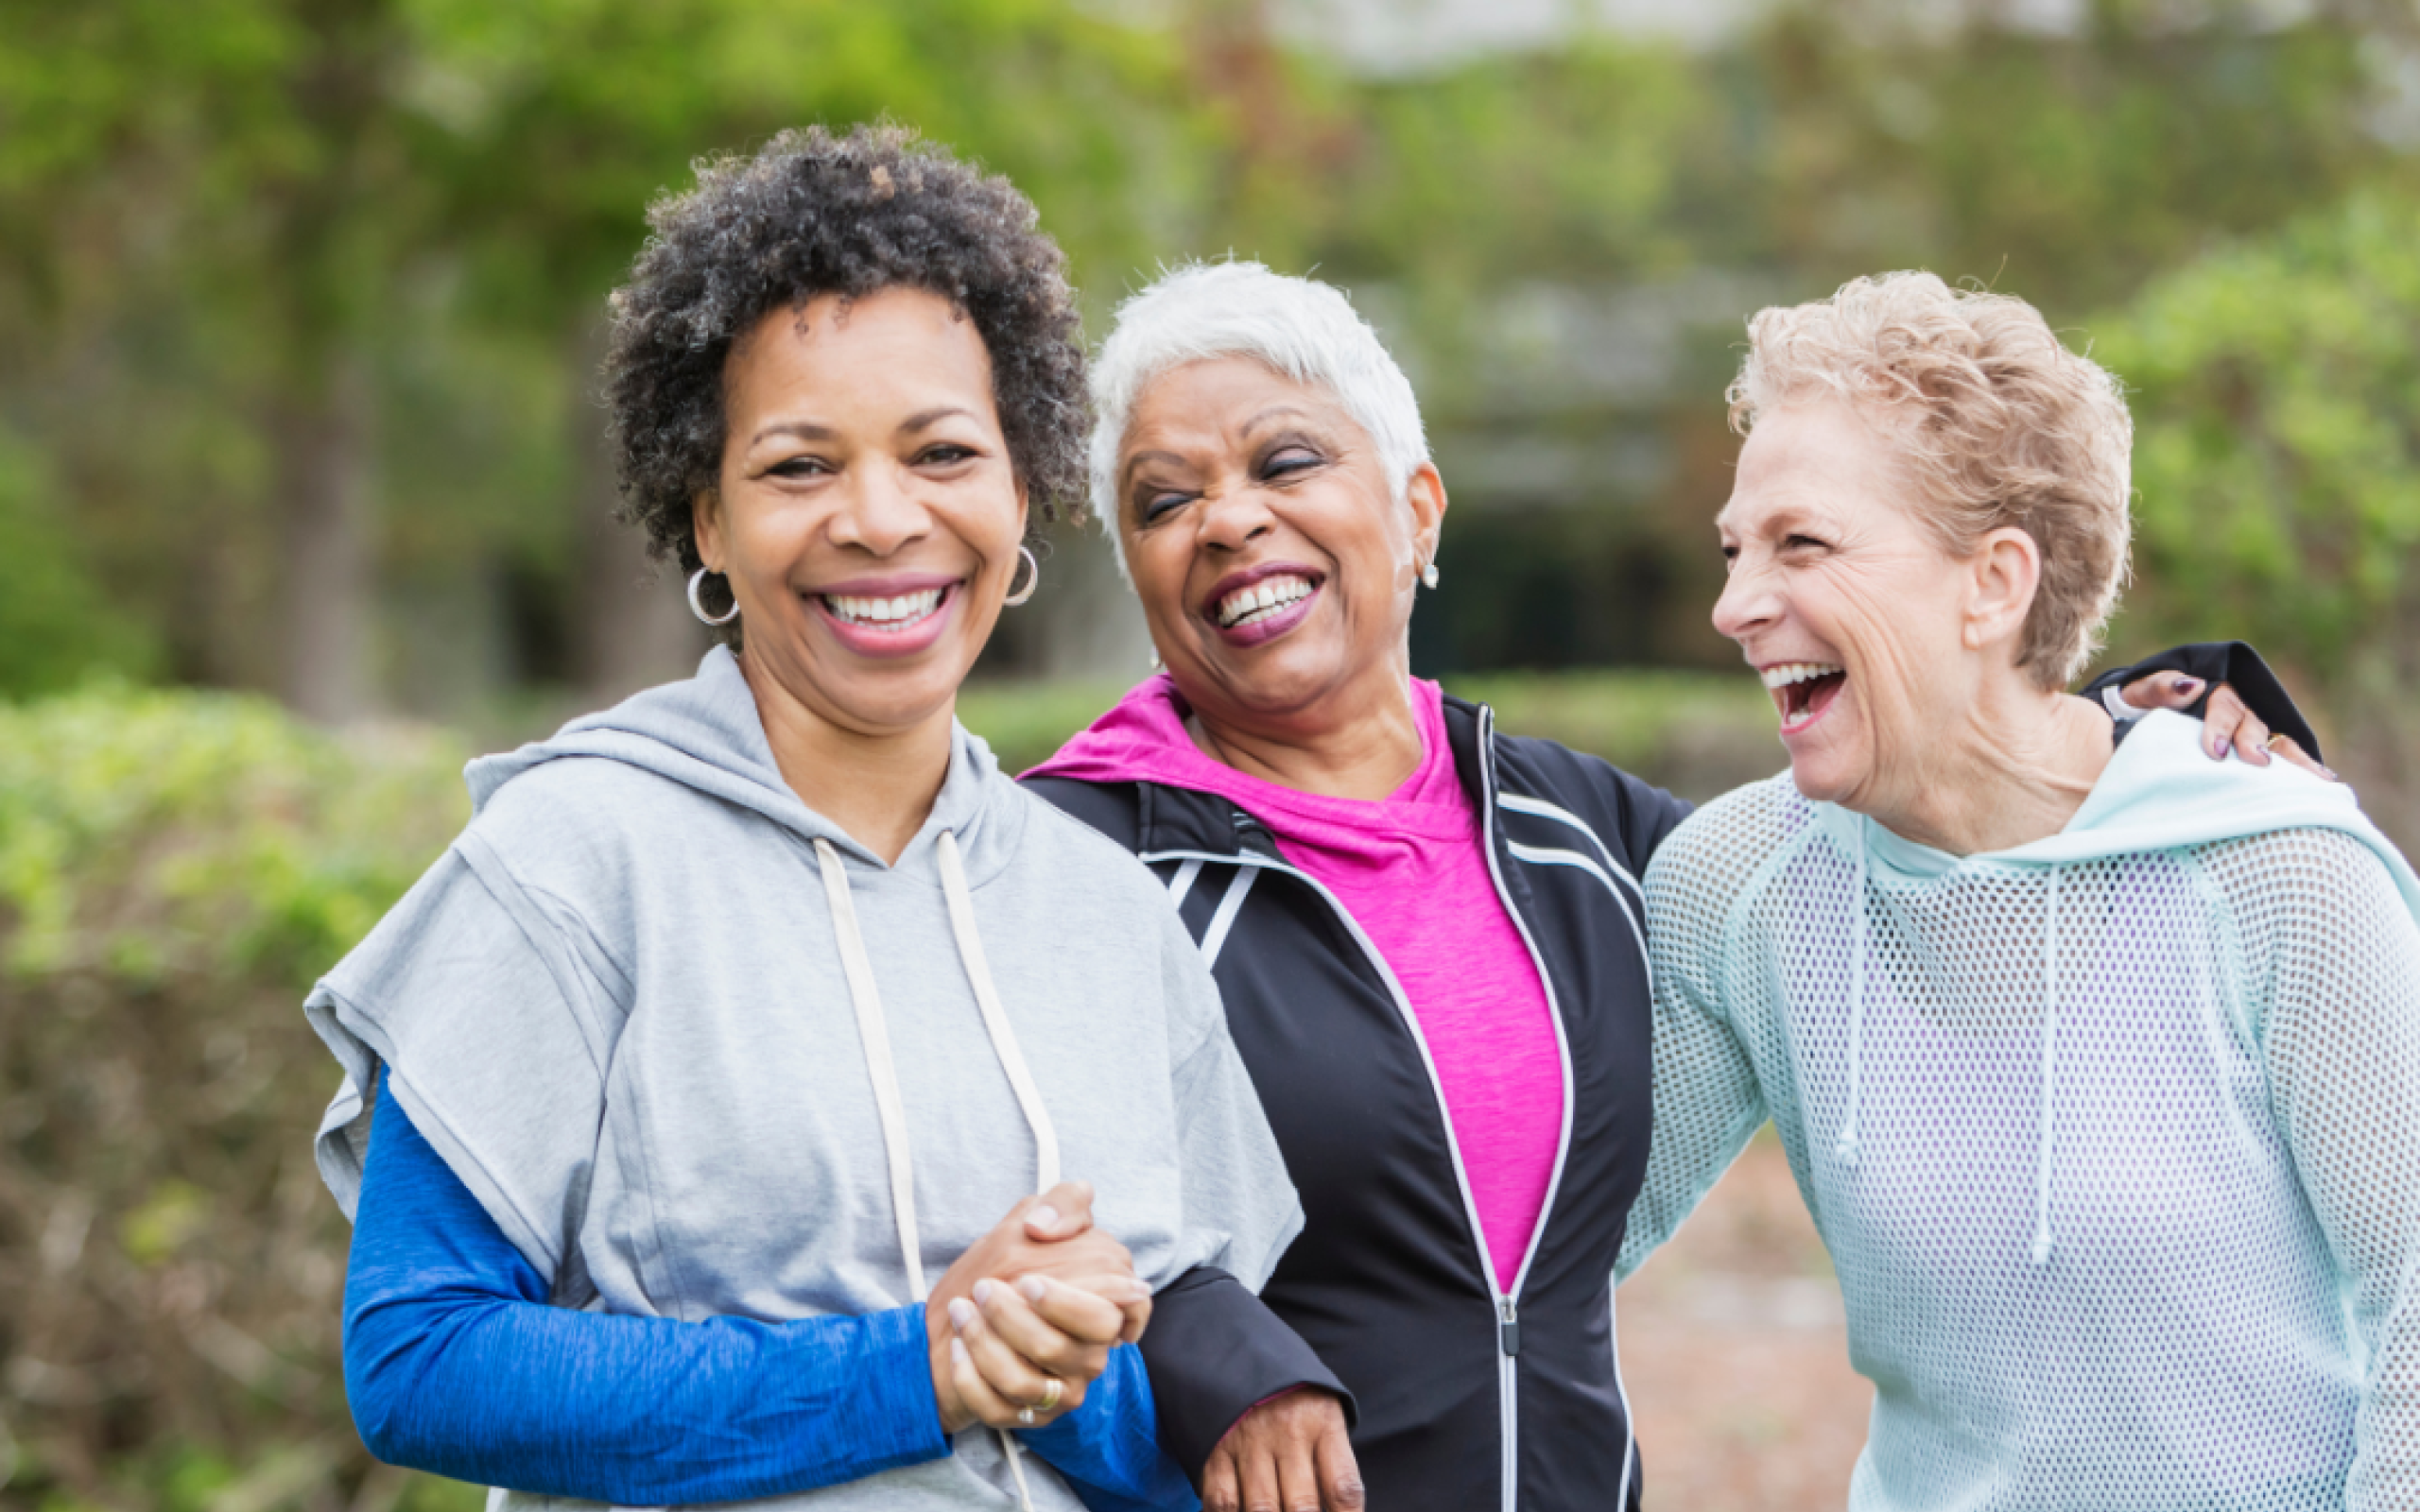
<point x="1846" y="1145"/>
<point x="883" y="1069"/>
<point x="2049" y="1067"/>
<point x="995" y="1019"/>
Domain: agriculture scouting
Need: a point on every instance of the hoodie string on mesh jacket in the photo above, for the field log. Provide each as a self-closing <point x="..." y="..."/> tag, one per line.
<point x="883" y="1069"/>
<point x="2049" y="1067"/>
<point x="1846" y="1145"/>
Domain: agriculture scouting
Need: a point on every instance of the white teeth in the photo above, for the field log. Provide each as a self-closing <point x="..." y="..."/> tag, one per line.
<point x="889" y="611"/>
<point x="1783" y="674"/>
<point x="1261" y="599"/>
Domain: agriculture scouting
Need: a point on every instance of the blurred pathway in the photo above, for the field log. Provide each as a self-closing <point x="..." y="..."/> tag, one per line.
<point x="1737" y="1359"/>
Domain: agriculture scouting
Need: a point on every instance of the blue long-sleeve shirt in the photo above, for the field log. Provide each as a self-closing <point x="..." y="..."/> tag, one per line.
<point x="455" y="1364"/>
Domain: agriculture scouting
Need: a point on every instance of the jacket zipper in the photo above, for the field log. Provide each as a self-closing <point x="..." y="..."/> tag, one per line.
<point x="1506" y="1302"/>
<point x="1509" y="1337"/>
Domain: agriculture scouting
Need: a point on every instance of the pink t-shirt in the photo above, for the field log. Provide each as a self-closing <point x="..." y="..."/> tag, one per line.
<point x="1411" y="871"/>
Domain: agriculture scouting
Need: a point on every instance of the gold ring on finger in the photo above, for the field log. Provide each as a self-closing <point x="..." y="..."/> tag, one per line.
<point x="1051" y="1388"/>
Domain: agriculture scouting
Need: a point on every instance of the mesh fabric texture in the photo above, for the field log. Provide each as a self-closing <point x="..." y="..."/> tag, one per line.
<point x="2119" y="1161"/>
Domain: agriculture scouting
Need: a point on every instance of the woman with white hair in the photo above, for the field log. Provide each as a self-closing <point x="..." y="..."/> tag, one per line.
<point x="2100" y="1072"/>
<point x="1427" y="936"/>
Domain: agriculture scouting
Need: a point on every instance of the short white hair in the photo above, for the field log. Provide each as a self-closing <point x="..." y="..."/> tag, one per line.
<point x="1302" y="328"/>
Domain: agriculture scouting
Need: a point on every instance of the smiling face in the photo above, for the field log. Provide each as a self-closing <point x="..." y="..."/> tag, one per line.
<point x="1865" y="631"/>
<point x="1275" y="566"/>
<point x="866" y="516"/>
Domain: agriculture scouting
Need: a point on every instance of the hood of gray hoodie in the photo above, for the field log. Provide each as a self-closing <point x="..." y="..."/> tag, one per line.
<point x="618" y="1008"/>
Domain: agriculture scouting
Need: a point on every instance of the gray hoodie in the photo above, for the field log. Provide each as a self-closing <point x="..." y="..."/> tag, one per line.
<point x="700" y="1054"/>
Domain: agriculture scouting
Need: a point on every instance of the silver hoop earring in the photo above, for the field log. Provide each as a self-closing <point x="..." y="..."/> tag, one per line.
<point x="1428" y="573"/>
<point x="697" y="606"/>
<point x="1015" y="600"/>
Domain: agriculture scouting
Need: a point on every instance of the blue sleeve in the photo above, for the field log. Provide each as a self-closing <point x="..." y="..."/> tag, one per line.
<point x="455" y="1364"/>
<point x="1109" y="1448"/>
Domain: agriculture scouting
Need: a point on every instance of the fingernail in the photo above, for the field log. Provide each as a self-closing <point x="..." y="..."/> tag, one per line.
<point x="982" y="1291"/>
<point x="1034" y="1288"/>
<point x="1044" y="1216"/>
<point x="2190" y="687"/>
<point x="957" y="1351"/>
<point x="962" y="1312"/>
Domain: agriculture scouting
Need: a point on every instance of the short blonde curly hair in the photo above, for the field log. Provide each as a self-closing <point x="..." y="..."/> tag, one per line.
<point x="1995" y="421"/>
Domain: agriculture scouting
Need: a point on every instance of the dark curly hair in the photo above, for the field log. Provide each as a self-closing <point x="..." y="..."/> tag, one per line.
<point x="813" y="213"/>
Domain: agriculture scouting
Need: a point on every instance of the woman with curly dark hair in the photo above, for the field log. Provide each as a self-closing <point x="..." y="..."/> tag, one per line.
<point x="740" y="1011"/>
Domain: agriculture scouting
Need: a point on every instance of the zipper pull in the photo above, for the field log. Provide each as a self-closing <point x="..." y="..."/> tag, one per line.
<point x="1508" y="1332"/>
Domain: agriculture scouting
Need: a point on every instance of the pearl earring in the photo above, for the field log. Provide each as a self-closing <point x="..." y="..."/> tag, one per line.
<point x="1428" y="574"/>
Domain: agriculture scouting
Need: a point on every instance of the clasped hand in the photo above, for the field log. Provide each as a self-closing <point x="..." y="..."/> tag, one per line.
<point x="1025" y="1319"/>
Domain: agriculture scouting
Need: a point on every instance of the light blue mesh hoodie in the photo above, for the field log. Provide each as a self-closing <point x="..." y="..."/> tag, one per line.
<point x="2114" y="1138"/>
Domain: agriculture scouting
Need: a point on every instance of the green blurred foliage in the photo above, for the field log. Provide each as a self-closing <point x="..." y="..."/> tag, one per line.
<point x="58" y="626"/>
<point x="214" y="213"/>
<point x="216" y="216"/>
<point x="175" y="867"/>
<point x="2276" y="398"/>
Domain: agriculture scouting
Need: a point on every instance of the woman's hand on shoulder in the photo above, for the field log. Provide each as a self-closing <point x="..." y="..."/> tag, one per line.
<point x="1025" y="1319"/>
<point x="1292" y="1453"/>
<point x="2228" y="720"/>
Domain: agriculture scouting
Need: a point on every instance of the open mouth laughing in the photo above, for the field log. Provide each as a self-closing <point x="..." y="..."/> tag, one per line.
<point x="1803" y="690"/>
<point x="1256" y="602"/>
<point x="1260" y="604"/>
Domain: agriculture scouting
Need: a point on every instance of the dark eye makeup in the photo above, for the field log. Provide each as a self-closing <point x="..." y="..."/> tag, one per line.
<point x="1154" y="504"/>
<point x="1286" y="458"/>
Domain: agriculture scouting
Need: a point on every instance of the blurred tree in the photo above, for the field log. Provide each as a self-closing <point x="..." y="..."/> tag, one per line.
<point x="236" y="161"/>
<point x="57" y="627"/>
<point x="303" y="297"/>
<point x="2277" y="464"/>
<point x="2067" y="162"/>
<point x="251" y="208"/>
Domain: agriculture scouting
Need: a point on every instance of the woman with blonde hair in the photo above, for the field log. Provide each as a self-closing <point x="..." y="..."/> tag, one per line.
<point x="2098" y="1070"/>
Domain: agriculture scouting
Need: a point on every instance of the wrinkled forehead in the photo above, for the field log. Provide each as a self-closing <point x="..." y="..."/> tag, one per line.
<point x="1816" y="457"/>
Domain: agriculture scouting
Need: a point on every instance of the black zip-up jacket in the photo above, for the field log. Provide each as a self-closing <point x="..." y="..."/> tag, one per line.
<point x="1463" y="1399"/>
<point x="1466" y="1399"/>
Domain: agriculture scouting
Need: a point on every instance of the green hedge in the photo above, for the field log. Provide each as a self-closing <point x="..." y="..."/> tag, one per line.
<point x="174" y="869"/>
